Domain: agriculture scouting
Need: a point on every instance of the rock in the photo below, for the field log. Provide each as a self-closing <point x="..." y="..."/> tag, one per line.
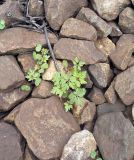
<point x="109" y="10"/>
<point x="41" y="121"/>
<point x="49" y="73"/>
<point x="89" y="82"/>
<point x="10" y="147"/>
<point x="133" y="111"/>
<point x="79" y="146"/>
<point x="43" y="90"/>
<point x="116" y="32"/>
<point x="132" y="1"/>
<point x="124" y="49"/>
<point x="105" y="45"/>
<point x="11" y="99"/>
<point x="110" y="94"/>
<point x="113" y="132"/>
<point x="131" y="62"/>
<point x="11" y="75"/>
<point x="88" y="15"/>
<point x="86" y="51"/>
<point x="27" y="62"/>
<point x="36" y="8"/>
<point x="105" y="108"/>
<point x="101" y="74"/>
<point x="124" y="86"/>
<point x="58" y="11"/>
<point x="74" y="28"/>
<point x="96" y="95"/>
<point x="29" y="155"/>
<point x="12" y="42"/>
<point x="126" y="20"/>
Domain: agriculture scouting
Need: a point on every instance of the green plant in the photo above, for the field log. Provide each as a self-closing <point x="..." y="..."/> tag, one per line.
<point x="41" y="56"/>
<point x="2" y="24"/>
<point x="25" y="88"/>
<point x="68" y="84"/>
<point x="94" y="155"/>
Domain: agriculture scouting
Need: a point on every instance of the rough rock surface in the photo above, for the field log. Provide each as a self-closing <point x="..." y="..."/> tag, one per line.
<point x="101" y="74"/>
<point x="17" y="40"/>
<point x="10" y="147"/>
<point x="109" y="10"/>
<point x="79" y="146"/>
<point x="74" y="28"/>
<point x="57" y="11"/>
<point x="88" y="15"/>
<point x="86" y="51"/>
<point x="114" y="135"/>
<point x="10" y="73"/>
<point x="46" y="126"/>
<point x="116" y="32"/>
<point x="126" y="20"/>
<point x="124" y="86"/>
<point x="133" y="111"/>
<point x="28" y="155"/>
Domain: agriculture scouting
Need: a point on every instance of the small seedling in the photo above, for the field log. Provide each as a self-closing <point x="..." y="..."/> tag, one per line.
<point x="2" y="24"/>
<point x="25" y="88"/>
<point x="94" y="155"/>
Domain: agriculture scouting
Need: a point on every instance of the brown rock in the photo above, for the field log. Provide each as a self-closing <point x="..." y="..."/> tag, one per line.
<point x="131" y="62"/>
<point x="116" y="32"/>
<point x="29" y="155"/>
<point x="74" y="28"/>
<point x="89" y="82"/>
<point x="58" y="11"/>
<point x="11" y="75"/>
<point x="124" y="86"/>
<point x="46" y="126"/>
<point x="15" y="40"/>
<point x="88" y="15"/>
<point x="86" y="51"/>
<point x="126" y="20"/>
<point x="101" y="74"/>
<point x="96" y="95"/>
<point x="132" y="1"/>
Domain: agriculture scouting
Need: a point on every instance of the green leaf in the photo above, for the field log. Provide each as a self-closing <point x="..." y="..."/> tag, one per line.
<point x="65" y="64"/>
<point x="25" y="88"/>
<point x="68" y="106"/>
<point x="2" y="24"/>
<point x="38" y="47"/>
<point x="37" y="81"/>
<point x="93" y="154"/>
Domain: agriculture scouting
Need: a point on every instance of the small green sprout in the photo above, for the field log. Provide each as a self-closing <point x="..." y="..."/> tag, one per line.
<point x="25" y="88"/>
<point x="2" y="24"/>
<point x="94" y="155"/>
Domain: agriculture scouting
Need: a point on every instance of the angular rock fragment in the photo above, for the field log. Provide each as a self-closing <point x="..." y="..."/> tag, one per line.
<point x="116" y="32"/>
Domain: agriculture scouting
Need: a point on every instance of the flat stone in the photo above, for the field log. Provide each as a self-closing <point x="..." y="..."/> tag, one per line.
<point x="86" y="51"/>
<point x="116" y="32"/>
<point x="11" y="75"/>
<point x="109" y="10"/>
<point x="43" y="90"/>
<point x="58" y="11"/>
<point x="126" y="20"/>
<point x="79" y="146"/>
<point x="20" y="40"/>
<point x="45" y="126"/>
<point x="105" y="108"/>
<point x="74" y="28"/>
<point x="101" y="74"/>
<point x="113" y="132"/>
<point x="10" y="147"/>
<point x="88" y="15"/>
<point x="124" y="86"/>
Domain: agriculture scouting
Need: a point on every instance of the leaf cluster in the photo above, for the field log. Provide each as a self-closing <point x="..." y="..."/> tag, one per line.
<point x="25" y="87"/>
<point x="2" y="24"/>
<point x="41" y="56"/>
<point x="94" y="155"/>
<point x="68" y="84"/>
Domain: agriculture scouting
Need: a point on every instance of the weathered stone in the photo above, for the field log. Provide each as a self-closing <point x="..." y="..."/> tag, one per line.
<point x="11" y="99"/>
<point x="105" y="108"/>
<point x="96" y="95"/>
<point x="10" y="147"/>
<point x="79" y="146"/>
<point x="133" y="111"/>
<point x="114" y="135"/>
<point x="132" y="1"/>
<point x="109" y="10"/>
<point x="124" y="49"/>
<point x="49" y="73"/>
<point x="126" y="20"/>
<point x="101" y="74"/>
<point x="86" y="51"/>
<point x="19" y="40"/>
<point x="124" y="86"/>
<point x="27" y="62"/>
<point x="36" y="8"/>
<point x="74" y="28"/>
<point x="88" y="15"/>
<point x="110" y="93"/>
<point x="131" y="62"/>
<point x="58" y="11"/>
<point x="29" y="155"/>
<point x="116" y="32"/>
<point x="46" y="126"/>
<point x="43" y="90"/>
<point x="10" y="73"/>
<point x="89" y="82"/>
<point x="105" y="45"/>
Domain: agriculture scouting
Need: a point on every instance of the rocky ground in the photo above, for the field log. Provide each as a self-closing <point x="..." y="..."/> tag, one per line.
<point x="33" y="124"/>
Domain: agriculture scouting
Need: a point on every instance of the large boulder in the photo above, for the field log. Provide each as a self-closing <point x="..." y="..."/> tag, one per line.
<point x="114" y="135"/>
<point x="45" y="126"/>
<point x="57" y="11"/>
